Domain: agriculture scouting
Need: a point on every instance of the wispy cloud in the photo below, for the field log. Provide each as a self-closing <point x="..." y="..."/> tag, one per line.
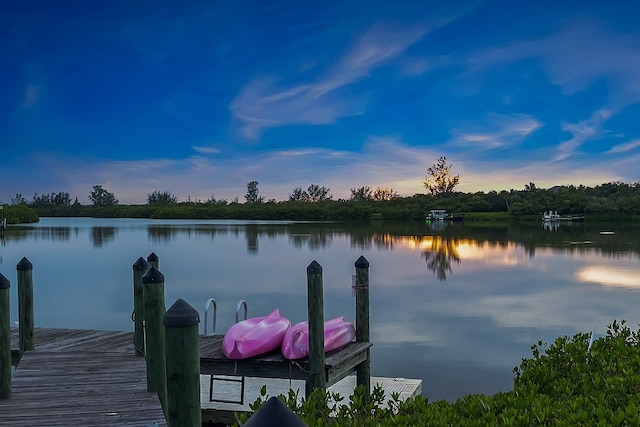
<point x="268" y="102"/>
<point x="205" y="149"/>
<point x="582" y="131"/>
<point x="31" y="96"/>
<point x="575" y="59"/>
<point x="495" y="131"/>
<point x="622" y="148"/>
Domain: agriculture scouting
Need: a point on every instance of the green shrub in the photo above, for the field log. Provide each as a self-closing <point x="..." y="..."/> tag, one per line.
<point x="566" y="383"/>
<point x="18" y="214"/>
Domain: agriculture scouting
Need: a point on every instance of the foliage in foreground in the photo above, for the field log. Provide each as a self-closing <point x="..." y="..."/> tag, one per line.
<point x="566" y="383"/>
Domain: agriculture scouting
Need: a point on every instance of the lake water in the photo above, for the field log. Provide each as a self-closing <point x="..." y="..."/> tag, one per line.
<point x="456" y="305"/>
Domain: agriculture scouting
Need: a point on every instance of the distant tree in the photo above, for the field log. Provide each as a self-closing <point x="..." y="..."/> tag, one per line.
<point x="382" y="194"/>
<point x="298" y="195"/>
<point x="101" y="197"/>
<point x="318" y="194"/>
<point x="18" y="200"/>
<point x="439" y="179"/>
<point x="361" y="194"/>
<point x="252" y="195"/>
<point x="530" y="187"/>
<point x="61" y="199"/>
<point x="161" y="197"/>
<point x="52" y="199"/>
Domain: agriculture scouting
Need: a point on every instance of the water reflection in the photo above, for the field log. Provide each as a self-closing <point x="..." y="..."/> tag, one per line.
<point x="102" y="235"/>
<point x="507" y="285"/>
<point x="252" y="239"/>
<point x="439" y="255"/>
<point x="609" y="276"/>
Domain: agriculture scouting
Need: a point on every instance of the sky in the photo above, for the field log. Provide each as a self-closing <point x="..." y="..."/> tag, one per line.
<point x="198" y="98"/>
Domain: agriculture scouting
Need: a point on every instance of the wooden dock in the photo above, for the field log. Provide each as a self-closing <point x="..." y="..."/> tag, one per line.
<point x="94" y="374"/>
<point x="80" y="377"/>
<point x="80" y="389"/>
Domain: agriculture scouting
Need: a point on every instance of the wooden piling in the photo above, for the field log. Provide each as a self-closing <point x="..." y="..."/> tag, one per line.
<point x="154" y="310"/>
<point x="25" y="304"/>
<point x="5" y="340"/>
<point x="363" y="371"/>
<point x="315" y="308"/>
<point x="183" y="365"/>
<point x="153" y="260"/>
<point x="139" y="269"/>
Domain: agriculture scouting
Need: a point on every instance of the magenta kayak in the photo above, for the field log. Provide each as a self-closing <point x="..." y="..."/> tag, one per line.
<point x="255" y="336"/>
<point x="337" y="333"/>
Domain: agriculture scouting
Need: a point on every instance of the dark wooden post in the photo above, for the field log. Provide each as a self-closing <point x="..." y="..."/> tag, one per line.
<point x="153" y="260"/>
<point x="315" y="308"/>
<point x="363" y="371"/>
<point x="154" y="310"/>
<point x="183" y="365"/>
<point x="25" y="305"/>
<point x="139" y="268"/>
<point x="5" y="339"/>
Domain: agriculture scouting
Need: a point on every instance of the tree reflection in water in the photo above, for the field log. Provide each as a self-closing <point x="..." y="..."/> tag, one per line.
<point x="440" y="255"/>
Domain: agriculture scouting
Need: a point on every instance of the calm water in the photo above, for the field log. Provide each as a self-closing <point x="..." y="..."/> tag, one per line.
<point x="456" y="305"/>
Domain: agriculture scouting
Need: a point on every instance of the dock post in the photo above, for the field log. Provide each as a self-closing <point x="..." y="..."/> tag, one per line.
<point x="363" y="371"/>
<point x="139" y="268"/>
<point x="154" y="310"/>
<point x="315" y="308"/>
<point x="25" y="305"/>
<point x="183" y="365"/>
<point x="153" y="260"/>
<point x="5" y="339"/>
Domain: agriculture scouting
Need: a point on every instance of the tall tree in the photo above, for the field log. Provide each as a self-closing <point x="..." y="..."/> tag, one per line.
<point x="361" y="194"/>
<point x="161" y="197"/>
<point x="317" y="193"/>
<point x="252" y="195"/>
<point x="298" y="195"/>
<point x="439" y="179"/>
<point x="101" y="197"/>
<point x="382" y="194"/>
<point x="18" y="200"/>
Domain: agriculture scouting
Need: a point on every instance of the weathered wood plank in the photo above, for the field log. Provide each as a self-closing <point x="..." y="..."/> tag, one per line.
<point x="80" y="388"/>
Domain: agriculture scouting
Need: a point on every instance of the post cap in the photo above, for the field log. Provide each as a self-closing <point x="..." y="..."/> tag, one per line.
<point x="24" y="265"/>
<point x="181" y="314"/>
<point x="153" y="276"/>
<point x="152" y="257"/>
<point x="362" y="262"/>
<point x="140" y="264"/>
<point x="274" y="412"/>
<point x="4" y="282"/>
<point x="314" y="268"/>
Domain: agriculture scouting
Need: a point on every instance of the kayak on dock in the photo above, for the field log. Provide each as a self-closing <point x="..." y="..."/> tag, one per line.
<point x="255" y="336"/>
<point x="337" y="333"/>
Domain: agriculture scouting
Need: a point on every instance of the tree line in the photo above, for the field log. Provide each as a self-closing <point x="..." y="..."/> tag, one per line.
<point x="610" y="199"/>
<point x="316" y="202"/>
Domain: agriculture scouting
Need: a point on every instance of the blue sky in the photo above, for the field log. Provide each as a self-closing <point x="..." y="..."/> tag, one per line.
<point x="200" y="97"/>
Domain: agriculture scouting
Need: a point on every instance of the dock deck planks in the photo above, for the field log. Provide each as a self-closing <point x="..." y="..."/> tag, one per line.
<point x="80" y="388"/>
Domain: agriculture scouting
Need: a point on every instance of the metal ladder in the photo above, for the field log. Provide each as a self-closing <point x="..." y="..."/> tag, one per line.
<point x="240" y="305"/>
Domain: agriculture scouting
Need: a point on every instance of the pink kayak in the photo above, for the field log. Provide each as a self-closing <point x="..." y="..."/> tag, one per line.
<point x="255" y="336"/>
<point x="337" y="333"/>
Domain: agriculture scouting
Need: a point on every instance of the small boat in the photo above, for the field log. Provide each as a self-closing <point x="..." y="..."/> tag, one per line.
<point x="255" y="336"/>
<point x="337" y="333"/>
<point x="442" y="215"/>
<point x="549" y="216"/>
